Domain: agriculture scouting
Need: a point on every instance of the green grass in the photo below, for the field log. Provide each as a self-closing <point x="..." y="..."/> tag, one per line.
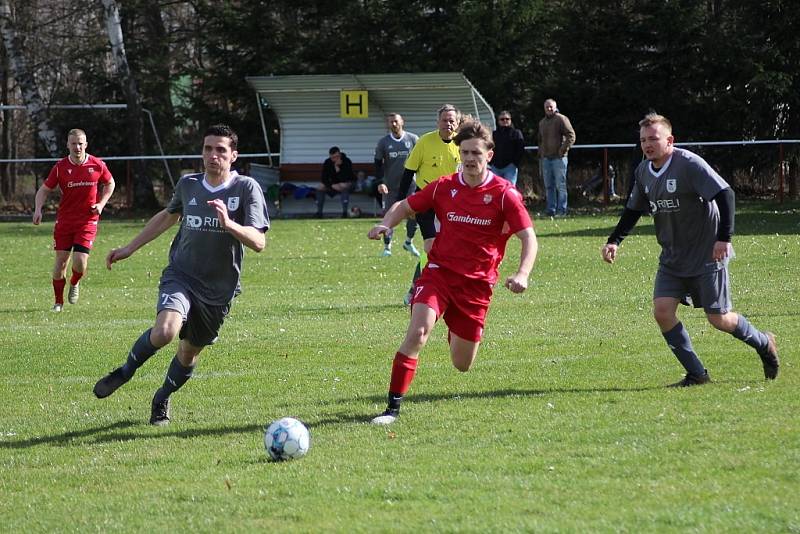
<point x="563" y="424"/>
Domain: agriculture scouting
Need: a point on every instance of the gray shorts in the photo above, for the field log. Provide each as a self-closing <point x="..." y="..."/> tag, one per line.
<point x="710" y="291"/>
<point x="201" y="321"/>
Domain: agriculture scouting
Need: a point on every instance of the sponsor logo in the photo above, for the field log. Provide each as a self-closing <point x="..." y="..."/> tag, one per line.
<point x="665" y="205"/>
<point x="467" y="219"/>
<point x="196" y="222"/>
<point x="80" y="184"/>
<point x="233" y="203"/>
<point x="672" y="185"/>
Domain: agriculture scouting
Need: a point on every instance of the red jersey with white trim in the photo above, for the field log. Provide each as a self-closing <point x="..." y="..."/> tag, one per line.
<point x="78" y="184"/>
<point x="475" y="223"/>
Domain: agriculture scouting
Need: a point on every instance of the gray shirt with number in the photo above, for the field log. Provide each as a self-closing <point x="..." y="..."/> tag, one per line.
<point x="394" y="152"/>
<point x="678" y="196"/>
<point x="203" y="254"/>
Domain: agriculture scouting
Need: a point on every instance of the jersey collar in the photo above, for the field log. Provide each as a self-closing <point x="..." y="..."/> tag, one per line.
<point x="663" y="169"/>
<point x="488" y="177"/>
<point x="223" y="185"/>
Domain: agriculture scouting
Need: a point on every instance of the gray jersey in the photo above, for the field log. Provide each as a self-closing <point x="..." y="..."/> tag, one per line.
<point x="686" y="219"/>
<point x="394" y="152"/>
<point x="203" y="254"/>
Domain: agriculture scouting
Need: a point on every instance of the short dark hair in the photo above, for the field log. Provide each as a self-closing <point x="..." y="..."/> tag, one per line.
<point x="333" y="150"/>
<point x="473" y="129"/>
<point x="223" y="130"/>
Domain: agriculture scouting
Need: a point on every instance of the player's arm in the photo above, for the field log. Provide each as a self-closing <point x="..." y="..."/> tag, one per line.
<point x="405" y="183"/>
<point x="249" y="236"/>
<point x="518" y="282"/>
<point x="108" y="189"/>
<point x="626" y="223"/>
<point x="399" y="212"/>
<point x="38" y="203"/>
<point x="157" y="225"/>
<point x="726" y="203"/>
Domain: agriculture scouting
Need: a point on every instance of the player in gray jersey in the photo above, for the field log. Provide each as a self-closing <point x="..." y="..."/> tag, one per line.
<point x="693" y="212"/>
<point x="390" y="158"/>
<point x="221" y="212"/>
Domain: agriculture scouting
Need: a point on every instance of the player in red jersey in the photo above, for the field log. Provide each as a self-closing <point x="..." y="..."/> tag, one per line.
<point x="478" y="212"/>
<point x="86" y="185"/>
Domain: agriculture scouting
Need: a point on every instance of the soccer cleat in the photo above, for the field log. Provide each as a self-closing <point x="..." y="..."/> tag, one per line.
<point x="386" y="418"/>
<point x="74" y="293"/>
<point x="387" y="251"/>
<point x="109" y="383"/>
<point x="770" y="358"/>
<point x="159" y="412"/>
<point x="57" y="308"/>
<point x="692" y="380"/>
<point x="409" y="246"/>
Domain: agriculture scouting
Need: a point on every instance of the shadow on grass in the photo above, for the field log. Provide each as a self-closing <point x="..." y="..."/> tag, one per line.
<point x="115" y="432"/>
<point x="427" y="398"/>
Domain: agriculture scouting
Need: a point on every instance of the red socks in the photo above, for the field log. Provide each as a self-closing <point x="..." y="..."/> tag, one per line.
<point x="76" y="277"/>
<point x="403" y="370"/>
<point x="58" y="290"/>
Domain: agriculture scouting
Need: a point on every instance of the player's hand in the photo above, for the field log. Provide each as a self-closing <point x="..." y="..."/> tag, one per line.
<point x="609" y="252"/>
<point x="517" y="283"/>
<point x="37" y="217"/>
<point x="382" y="189"/>
<point x="222" y="211"/>
<point x="378" y="230"/>
<point x="722" y="249"/>
<point x="117" y="254"/>
<point x="97" y="209"/>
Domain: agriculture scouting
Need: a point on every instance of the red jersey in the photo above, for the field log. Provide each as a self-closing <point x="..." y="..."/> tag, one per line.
<point x="476" y="223"/>
<point x="78" y="185"/>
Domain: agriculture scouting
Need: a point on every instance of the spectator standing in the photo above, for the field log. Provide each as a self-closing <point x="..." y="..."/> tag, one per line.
<point x="509" y="146"/>
<point x="556" y="136"/>
<point x="693" y="212"/>
<point x="86" y="186"/>
<point x="337" y="178"/>
<point x="390" y="158"/>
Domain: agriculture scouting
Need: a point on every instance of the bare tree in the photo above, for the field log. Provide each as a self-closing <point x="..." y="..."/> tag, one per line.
<point x="143" y="195"/>
<point x="14" y="43"/>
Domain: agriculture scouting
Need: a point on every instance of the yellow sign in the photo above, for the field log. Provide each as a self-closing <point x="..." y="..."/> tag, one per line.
<point x="354" y="104"/>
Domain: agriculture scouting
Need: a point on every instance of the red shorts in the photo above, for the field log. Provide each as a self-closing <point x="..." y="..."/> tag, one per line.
<point x="462" y="302"/>
<point x="65" y="235"/>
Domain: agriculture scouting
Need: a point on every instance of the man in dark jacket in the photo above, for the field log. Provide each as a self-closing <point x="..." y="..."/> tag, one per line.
<point x="509" y="146"/>
<point x="337" y="178"/>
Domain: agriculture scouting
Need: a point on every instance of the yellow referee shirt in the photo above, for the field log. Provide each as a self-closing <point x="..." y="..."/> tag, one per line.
<point x="431" y="158"/>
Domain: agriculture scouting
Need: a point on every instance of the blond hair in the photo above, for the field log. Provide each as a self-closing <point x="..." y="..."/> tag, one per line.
<point x="653" y="118"/>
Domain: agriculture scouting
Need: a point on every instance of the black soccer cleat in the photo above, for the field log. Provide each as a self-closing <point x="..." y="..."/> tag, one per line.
<point x="159" y="412"/>
<point x="692" y="380"/>
<point x="770" y="358"/>
<point x="109" y="383"/>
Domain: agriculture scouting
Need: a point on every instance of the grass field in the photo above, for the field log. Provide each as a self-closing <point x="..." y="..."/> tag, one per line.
<point x="563" y="424"/>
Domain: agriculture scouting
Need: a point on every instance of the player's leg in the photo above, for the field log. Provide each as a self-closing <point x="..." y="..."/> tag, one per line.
<point x="80" y="263"/>
<point x="465" y="318"/>
<point x="200" y="329"/>
<point x="172" y="310"/>
<point x="667" y="294"/>
<point x="404" y="365"/>
<point x="411" y="229"/>
<point x="427" y="227"/>
<point x="714" y="289"/>
<point x="59" y="277"/>
<point x="462" y="352"/>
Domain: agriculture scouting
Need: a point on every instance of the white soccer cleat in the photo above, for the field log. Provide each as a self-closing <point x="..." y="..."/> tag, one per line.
<point x="411" y="248"/>
<point x="74" y="293"/>
<point x="386" y="418"/>
<point x="386" y="252"/>
<point x="57" y="308"/>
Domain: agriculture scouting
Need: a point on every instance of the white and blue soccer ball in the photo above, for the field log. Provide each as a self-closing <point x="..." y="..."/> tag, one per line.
<point x="287" y="439"/>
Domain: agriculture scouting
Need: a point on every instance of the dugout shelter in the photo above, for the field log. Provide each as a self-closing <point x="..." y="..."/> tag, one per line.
<point x="316" y="112"/>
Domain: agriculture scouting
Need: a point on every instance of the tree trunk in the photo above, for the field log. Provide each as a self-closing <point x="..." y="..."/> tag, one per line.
<point x="6" y="189"/>
<point x="143" y="194"/>
<point x="32" y="98"/>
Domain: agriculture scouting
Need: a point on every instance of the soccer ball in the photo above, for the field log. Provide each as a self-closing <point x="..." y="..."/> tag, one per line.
<point x="287" y="439"/>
